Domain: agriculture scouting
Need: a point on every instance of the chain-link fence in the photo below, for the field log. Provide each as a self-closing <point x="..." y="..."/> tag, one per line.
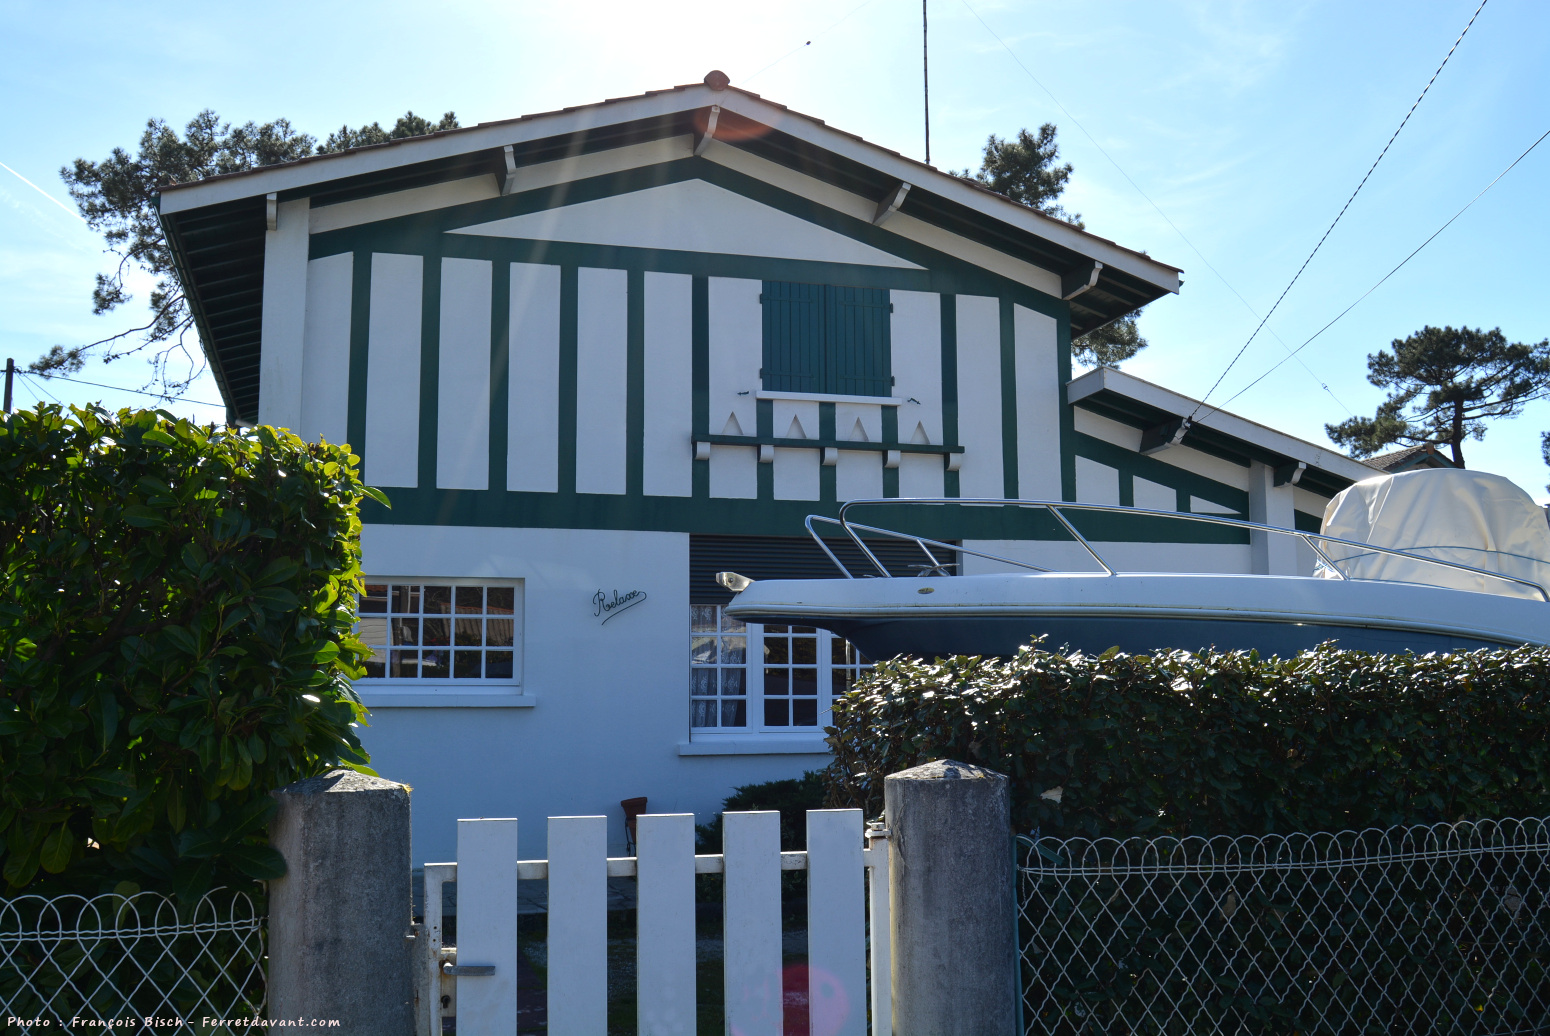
<point x="140" y="963"/>
<point x="1412" y="931"/>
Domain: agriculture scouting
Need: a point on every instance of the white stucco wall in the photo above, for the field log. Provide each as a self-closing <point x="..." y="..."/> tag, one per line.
<point x="610" y="701"/>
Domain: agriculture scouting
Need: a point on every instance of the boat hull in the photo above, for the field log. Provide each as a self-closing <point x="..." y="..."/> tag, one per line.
<point x="944" y="636"/>
<point x="1143" y="613"/>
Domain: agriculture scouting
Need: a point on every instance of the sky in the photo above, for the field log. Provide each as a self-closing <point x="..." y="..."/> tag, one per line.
<point x="1220" y="137"/>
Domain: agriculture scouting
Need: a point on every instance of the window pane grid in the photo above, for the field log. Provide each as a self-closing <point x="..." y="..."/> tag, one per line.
<point x="718" y="670"/>
<point x="790" y="676"/>
<point x="439" y="632"/>
<point x="798" y="668"/>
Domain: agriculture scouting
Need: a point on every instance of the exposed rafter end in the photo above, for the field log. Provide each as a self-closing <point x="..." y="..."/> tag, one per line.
<point x="702" y="138"/>
<point x="509" y="184"/>
<point x="1160" y="437"/>
<point x="272" y="211"/>
<point x="890" y="204"/>
<point x="1084" y="277"/>
<point x="1290" y="473"/>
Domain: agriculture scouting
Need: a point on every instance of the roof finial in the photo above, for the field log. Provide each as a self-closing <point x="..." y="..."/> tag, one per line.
<point x="716" y="79"/>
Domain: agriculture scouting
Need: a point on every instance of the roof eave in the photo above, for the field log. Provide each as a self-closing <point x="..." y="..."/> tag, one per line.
<point x="1213" y="430"/>
<point x="307" y="172"/>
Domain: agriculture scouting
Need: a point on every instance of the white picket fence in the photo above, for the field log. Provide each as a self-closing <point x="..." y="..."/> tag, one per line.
<point x="841" y="903"/>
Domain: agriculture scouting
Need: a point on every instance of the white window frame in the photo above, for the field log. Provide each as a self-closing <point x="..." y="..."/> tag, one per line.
<point x="754" y="687"/>
<point x="399" y="691"/>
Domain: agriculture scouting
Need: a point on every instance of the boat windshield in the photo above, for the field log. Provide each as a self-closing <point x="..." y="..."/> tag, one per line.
<point x="1509" y="573"/>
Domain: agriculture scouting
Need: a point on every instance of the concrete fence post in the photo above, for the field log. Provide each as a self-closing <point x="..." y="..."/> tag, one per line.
<point x="952" y="894"/>
<point x="339" y="921"/>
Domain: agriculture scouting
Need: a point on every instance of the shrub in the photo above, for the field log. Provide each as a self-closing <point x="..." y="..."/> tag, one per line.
<point x="792" y="797"/>
<point x="176" y="607"/>
<point x="1213" y="743"/>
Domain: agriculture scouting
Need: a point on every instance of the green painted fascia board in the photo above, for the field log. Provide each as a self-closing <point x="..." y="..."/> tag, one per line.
<point x="941" y="271"/>
<point x="763" y="517"/>
<point x="1132" y="465"/>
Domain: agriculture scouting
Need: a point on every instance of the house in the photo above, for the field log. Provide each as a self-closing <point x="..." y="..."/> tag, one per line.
<point x="1411" y="458"/>
<point x="594" y="356"/>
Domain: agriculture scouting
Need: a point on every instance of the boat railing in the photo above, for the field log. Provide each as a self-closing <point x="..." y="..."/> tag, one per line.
<point x="1316" y="541"/>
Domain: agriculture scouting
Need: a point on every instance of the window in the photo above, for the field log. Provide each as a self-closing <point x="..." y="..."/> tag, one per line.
<point x="448" y="630"/>
<point x="825" y="338"/>
<point x="775" y="678"/>
<point x="718" y="672"/>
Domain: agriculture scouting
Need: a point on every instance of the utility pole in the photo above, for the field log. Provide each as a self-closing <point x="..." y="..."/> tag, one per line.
<point x="10" y="376"/>
<point x="925" y="75"/>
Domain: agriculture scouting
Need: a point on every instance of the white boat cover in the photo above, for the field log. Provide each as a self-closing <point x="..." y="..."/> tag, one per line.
<point x="1469" y="517"/>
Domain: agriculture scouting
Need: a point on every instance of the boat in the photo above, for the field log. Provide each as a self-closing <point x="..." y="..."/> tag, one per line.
<point x="1437" y="560"/>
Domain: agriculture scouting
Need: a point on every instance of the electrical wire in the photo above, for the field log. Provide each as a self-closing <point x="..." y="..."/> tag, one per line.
<point x="116" y="388"/>
<point x="1148" y="198"/>
<point x="39" y="390"/>
<point x="809" y="43"/>
<point x="1392" y="272"/>
<point x="1343" y="208"/>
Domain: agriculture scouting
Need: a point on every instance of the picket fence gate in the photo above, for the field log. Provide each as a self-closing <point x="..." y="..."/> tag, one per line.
<point x="841" y="904"/>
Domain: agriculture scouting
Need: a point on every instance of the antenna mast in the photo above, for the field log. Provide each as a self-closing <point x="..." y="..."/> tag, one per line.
<point x="925" y="75"/>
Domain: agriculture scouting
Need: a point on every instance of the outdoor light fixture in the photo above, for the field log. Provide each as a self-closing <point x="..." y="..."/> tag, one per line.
<point x="734" y="582"/>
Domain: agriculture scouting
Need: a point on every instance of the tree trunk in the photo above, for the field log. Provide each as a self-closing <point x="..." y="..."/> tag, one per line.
<point x="1456" y="440"/>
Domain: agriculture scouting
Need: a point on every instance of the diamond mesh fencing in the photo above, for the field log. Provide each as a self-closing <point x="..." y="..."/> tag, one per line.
<point x="139" y="963"/>
<point x="1419" y="930"/>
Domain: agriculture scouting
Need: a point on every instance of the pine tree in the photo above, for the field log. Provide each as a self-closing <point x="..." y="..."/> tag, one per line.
<point x="118" y="198"/>
<point x="1445" y="384"/>
<point x="1024" y="169"/>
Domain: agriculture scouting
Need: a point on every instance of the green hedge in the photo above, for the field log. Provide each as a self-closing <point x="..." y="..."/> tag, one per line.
<point x="176" y="607"/>
<point x="1213" y="743"/>
<point x="791" y="797"/>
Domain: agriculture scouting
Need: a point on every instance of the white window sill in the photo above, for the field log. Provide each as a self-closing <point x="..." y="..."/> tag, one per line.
<point x="824" y="397"/>
<point x="756" y="746"/>
<point x="444" y="697"/>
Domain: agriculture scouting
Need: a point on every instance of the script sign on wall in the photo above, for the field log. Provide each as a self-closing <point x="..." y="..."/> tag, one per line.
<point x="606" y="604"/>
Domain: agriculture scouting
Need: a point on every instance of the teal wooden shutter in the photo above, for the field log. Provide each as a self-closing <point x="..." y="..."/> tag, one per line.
<point x="857" y="337"/>
<point x="793" y="337"/>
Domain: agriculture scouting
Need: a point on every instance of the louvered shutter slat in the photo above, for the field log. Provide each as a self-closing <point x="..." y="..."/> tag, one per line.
<point x="858" y="336"/>
<point x="793" y="336"/>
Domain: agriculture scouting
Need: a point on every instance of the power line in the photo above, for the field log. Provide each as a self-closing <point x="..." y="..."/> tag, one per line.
<point x="801" y="46"/>
<point x="116" y="388"/>
<point x="1157" y="208"/>
<point x="1343" y="208"/>
<point x="39" y="390"/>
<point x="1395" y="270"/>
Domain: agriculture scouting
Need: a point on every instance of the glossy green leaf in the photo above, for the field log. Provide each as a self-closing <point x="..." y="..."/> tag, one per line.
<point x="56" y="849"/>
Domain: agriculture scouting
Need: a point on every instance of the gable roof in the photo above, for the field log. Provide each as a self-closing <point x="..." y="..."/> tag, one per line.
<point x="1157" y="411"/>
<point x="215" y="226"/>
<point x="1425" y="455"/>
